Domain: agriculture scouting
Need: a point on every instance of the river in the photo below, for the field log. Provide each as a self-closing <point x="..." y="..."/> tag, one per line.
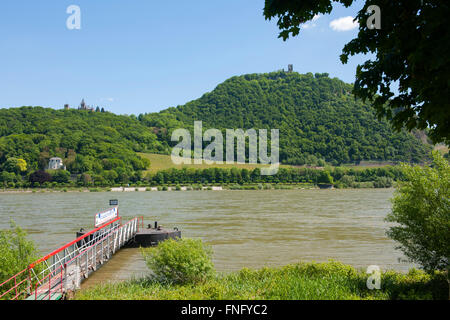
<point x="245" y="228"/>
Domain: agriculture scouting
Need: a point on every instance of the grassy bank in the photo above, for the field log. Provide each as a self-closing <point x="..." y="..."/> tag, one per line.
<point x="303" y="281"/>
<point x="186" y="187"/>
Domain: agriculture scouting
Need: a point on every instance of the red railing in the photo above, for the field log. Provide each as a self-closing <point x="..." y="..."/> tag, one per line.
<point x="73" y="242"/>
<point x="39" y="284"/>
<point x="18" y="287"/>
<point x="50" y="291"/>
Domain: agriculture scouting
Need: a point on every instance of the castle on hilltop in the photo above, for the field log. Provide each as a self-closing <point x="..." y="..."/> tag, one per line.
<point x="84" y="106"/>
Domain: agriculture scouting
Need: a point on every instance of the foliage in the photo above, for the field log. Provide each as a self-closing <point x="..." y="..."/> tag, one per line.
<point x="317" y="116"/>
<point x="410" y="49"/>
<point x="98" y="143"/>
<point x="347" y="177"/>
<point x="325" y="177"/>
<point x="40" y="177"/>
<point x="421" y="211"/>
<point x="180" y="261"/>
<point x="302" y="281"/>
<point x="16" y="253"/>
<point x="60" y="176"/>
<point x="15" y="165"/>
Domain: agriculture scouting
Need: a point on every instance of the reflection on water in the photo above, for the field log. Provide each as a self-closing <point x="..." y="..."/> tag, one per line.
<point x="245" y="228"/>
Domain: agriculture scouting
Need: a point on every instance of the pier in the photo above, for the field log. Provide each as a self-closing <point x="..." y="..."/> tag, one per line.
<point x="62" y="271"/>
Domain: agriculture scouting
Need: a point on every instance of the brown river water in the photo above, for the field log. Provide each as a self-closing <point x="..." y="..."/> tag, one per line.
<point x="245" y="228"/>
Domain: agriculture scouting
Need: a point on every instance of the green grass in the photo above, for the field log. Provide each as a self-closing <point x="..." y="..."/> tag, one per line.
<point x="162" y="162"/>
<point x="303" y="281"/>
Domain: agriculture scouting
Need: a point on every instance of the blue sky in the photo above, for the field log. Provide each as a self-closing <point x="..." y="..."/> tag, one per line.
<point x="144" y="56"/>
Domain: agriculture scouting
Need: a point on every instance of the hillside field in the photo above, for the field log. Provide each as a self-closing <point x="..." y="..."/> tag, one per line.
<point x="160" y="162"/>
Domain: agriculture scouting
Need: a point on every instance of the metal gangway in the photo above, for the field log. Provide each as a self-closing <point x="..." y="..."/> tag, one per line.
<point x="63" y="270"/>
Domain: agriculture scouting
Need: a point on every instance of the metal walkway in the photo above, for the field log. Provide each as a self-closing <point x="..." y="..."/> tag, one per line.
<point x="62" y="271"/>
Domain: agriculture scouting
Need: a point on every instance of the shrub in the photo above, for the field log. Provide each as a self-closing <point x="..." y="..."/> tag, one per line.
<point x="40" y="177"/>
<point x="421" y="212"/>
<point x="383" y="182"/>
<point x="16" y="253"/>
<point x="180" y="261"/>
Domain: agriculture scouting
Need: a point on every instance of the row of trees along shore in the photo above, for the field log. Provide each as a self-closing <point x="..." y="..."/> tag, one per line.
<point x="339" y="176"/>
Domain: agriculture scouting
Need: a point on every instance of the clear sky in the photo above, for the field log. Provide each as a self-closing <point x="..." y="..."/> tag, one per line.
<point x="142" y="56"/>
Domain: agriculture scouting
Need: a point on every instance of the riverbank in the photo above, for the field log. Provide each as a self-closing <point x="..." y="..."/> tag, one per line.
<point x="190" y="187"/>
<point x="303" y="281"/>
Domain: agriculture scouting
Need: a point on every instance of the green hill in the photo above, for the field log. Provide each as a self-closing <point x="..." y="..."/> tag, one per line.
<point x="88" y="142"/>
<point x="317" y="116"/>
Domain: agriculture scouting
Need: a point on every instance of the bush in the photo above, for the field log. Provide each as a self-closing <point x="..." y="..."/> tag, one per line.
<point x="180" y="261"/>
<point x="383" y="182"/>
<point x="16" y="253"/>
<point x="40" y="177"/>
<point x="421" y="213"/>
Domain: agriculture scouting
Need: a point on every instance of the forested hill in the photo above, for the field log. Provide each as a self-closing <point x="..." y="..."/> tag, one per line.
<point x="318" y="118"/>
<point x="91" y="142"/>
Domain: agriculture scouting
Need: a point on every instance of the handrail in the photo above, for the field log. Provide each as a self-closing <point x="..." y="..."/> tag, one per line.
<point x="16" y="285"/>
<point x="87" y="248"/>
<point x="14" y="276"/>
<point x="72" y="242"/>
<point x="44" y="283"/>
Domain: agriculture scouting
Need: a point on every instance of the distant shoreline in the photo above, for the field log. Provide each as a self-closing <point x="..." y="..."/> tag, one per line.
<point x="175" y="188"/>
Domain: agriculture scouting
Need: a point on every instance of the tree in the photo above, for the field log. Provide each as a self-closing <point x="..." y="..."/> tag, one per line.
<point x="421" y="210"/>
<point x="40" y="177"/>
<point x="85" y="179"/>
<point x="7" y="177"/>
<point x="411" y="50"/>
<point x="15" y="165"/>
<point x="325" y="177"/>
<point x="16" y="253"/>
<point x="61" y="176"/>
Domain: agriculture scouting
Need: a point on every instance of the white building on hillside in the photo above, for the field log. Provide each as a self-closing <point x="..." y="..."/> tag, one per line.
<point x="56" y="163"/>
